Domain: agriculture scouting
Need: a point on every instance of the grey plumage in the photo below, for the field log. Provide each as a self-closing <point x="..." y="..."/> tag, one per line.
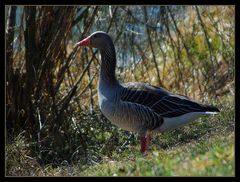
<point x="138" y="106"/>
<point x="161" y="101"/>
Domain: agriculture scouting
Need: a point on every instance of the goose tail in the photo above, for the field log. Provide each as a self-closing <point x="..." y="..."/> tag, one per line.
<point x="211" y="110"/>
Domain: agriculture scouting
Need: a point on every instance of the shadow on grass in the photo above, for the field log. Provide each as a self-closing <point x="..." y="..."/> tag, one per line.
<point x="193" y="133"/>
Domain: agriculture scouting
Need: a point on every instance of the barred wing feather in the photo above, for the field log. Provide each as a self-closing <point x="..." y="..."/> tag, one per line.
<point x="159" y="100"/>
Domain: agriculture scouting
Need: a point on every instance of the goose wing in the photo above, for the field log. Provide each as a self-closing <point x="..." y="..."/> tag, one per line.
<point x="159" y="100"/>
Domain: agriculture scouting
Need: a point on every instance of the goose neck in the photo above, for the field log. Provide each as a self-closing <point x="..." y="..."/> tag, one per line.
<point x="108" y="64"/>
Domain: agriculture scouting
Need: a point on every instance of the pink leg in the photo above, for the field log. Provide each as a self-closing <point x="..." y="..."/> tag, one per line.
<point x="149" y="138"/>
<point x="145" y="141"/>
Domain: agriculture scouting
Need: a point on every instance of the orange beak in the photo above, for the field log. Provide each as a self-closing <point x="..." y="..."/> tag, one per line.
<point x="84" y="42"/>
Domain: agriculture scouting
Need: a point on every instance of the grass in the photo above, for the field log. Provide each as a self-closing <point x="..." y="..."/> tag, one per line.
<point x="203" y="148"/>
<point x="214" y="157"/>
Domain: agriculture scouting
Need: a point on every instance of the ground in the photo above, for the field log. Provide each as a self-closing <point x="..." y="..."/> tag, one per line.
<point x="202" y="148"/>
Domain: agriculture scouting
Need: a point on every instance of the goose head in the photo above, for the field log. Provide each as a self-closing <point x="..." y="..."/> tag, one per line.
<point x="97" y="39"/>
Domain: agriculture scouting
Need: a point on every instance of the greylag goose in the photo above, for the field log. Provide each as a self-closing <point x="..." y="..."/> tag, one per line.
<point x="139" y="107"/>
